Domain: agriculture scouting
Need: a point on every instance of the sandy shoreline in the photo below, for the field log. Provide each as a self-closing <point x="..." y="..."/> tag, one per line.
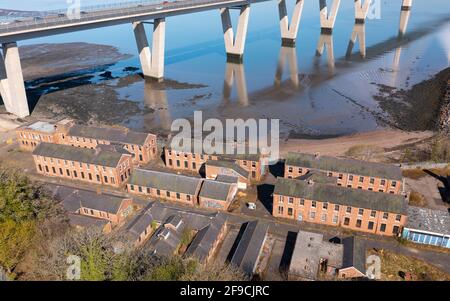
<point x="338" y="146"/>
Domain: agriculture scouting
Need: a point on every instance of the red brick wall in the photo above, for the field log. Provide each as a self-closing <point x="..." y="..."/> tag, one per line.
<point x="153" y="193"/>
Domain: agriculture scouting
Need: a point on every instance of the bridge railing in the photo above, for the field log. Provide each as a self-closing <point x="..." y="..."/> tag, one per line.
<point x="107" y="12"/>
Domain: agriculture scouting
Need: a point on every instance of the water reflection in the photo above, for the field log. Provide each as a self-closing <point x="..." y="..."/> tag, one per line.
<point x="358" y="33"/>
<point x="288" y="56"/>
<point x="326" y="42"/>
<point x="404" y="19"/>
<point x="235" y="73"/>
<point x="155" y="98"/>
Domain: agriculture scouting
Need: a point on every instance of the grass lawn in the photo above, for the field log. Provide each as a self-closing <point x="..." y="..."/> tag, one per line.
<point x="392" y="264"/>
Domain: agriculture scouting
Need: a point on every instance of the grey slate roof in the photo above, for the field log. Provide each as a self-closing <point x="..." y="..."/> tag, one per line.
<point x="436" y="221"/>
<point x="227" y="179"/>
<point x="222" y="153"/>
<point x="359" y="198"/>
<point x="345" y="165"/>
<point x="165" y="181"/>
<point x="41" y="126"/>
<point x="108" y="134"/>
<point x="204" y="241"/>
<point x="230" y="165"/>
<point x="74" y="199"/>
<point x="215" y="190"/>
<point x="250" y="245"/>
<point x="317" y="177"/>
<point x="86" y="221"/>
<point x="78" y="154"/>
<point x="354" y="254"/>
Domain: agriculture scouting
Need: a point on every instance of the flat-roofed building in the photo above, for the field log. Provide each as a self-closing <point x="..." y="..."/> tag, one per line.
<point x="31" y="134"/>
<point x="142" y="145"/>
<point x="180" y="158"/>
<point x="428" y="226"/>
<point x="348" y="172"/>
<point x="168" y="186"/>
<point x="249" y="249"/>
<point x="361" y="210"/>
<point x="216" y="195"/>
<point x="217" y="168"/>
<point x="205" y="243"/>
<point x="95" y="166"/>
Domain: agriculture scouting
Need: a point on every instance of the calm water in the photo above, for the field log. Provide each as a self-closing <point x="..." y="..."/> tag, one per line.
<point x="309" y="93"/>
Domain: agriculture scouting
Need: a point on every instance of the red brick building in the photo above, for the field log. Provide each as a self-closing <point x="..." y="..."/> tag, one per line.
<point x="94" y="166"/>
<point x="350" y="173"/>
<point x="179" y="159"/>
<point x="31" y="134"/>
<point x="361" y="210"/>
<point x="217" y="168"/>
<point x="216" y="195"/>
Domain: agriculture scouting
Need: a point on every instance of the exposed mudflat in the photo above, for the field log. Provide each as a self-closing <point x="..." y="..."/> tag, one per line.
<point x="44" y="60"/>
<point x="418" y="108"/>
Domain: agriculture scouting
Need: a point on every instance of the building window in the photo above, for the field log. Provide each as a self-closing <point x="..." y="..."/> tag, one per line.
<point x="350" y="178"/>
<point x="54" y="170"/>
<point x="290" y="169"/>
<point x="105" y="178"/>
<point x="312" y="215"/>
<point x="313" y="204"/>
<point x="170" y="162"/>
<point x="336" y="207"/>
<point x="382" y="182"/>
<point x="280" y="210"/>
<point x="330" y="174"/>
<point x="194" y="165"/>
<point x="168" y="194"/>
<point x="291" y="200"/>
<point x="158" y="192"/>
<point x="253" y="174"/>
<point x="186" y="164"/>
<point x="280" y="199"/>
<point x="68" y="172"/>
<point x="395" y="230"/>
<point x="372" y="180"/>
<point x="373" y="213"/>
<point x="383" y="228"/>
<point x="361" y="179"/>
<point x="358" y="223"/>
<point x="132" y="187"/>
<point x="385" y="215"/>
<point x="398" y="217"/>
<point x="290" y="211"/>
<point x="302" y="202"/>
<point x="394" y="183"/>
<point x="98" y="178"/>
<point x="335" y="219"/>
<point x="300" y="170"/>
<point x="346" y="221"/>
<point x="112" y="180"/>
<point x="360" y="211"/>
<point x="349" y="209"/>
<point x="140" y="188"/>
<point x="90" y="176"/>
<point x="82" y="175"/>
<point x="341" y="176"/>
<point x="178" y="195"/>
<point x="188" y="197"/>
<point x="178" y="163"/>
<point x="75" y="174"/>
<point x="323" y="218"/>
<point x="325" y="206"/>
<point x="148" y="190"/>
<point x="40" y="167"/>
<point x="370" y="226"/>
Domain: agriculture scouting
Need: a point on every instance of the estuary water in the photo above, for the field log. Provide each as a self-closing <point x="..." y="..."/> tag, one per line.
<point x="313" y="91"/>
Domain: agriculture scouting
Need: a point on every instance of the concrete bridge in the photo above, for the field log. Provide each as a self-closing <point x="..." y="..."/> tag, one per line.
<point x="12" y="88"/>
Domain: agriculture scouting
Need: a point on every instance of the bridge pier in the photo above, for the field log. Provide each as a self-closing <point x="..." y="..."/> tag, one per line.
<point x="152" y="61"/>
<point x="289" y="31"/>
<point x="406" y="5"/>
<point x="361" y="10"/>
<point x="235" y="73"/>
<point x="404" y="20"/>
<point x="12" y="86"/>
<point x="234" y="45"/>
<point x="327" y="20"/>
<point x="358" y="33"/>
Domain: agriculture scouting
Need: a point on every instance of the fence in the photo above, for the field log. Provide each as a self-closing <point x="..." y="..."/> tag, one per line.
<point x="423" y="165"/>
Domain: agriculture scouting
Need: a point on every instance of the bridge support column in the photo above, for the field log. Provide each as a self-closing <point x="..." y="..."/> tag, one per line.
<point x="361" y="10"/>
<point x="12" y="86"/>
<point x="152" y="62"/>
<point x="235" y="73"/>
<point x="326" y="42"/>
<point x="406" y="4"/>
<point x="327" y="20"/>
<point x="235" y="45"/>
<point x="287" y="55"/>
<point x="289" y="31"/>
<point x="358" y="33"/>
<point x="404" y="20"/>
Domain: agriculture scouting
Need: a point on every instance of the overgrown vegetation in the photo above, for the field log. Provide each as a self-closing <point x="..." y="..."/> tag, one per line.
<point x="417" y="199"/>
<point x="364" y="152"/>
<point x="27" y="218"/>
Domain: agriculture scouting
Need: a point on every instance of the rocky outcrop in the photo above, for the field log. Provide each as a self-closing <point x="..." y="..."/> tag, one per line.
<point x="444" y="114"/>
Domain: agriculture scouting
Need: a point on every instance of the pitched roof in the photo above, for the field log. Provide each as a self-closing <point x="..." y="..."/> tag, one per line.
<point x="345" y="165"/>
<point x="436" y="221"/>
<point x="87" y="199"/>
<point x="205" y="239"/>
<point x="354" y="254"/>
<point x="230" y="165"/>
<point x="78" y="154"/>
<point x="215" y="190"/>
<point x="226" y="179"/>
<point x="86" y="221"/>
<point x="250" y="246"/>
<point x="359" y="198"/>
<point x="165" y="181"/>
<point x="40" y="126"/>
<point x="317" y="177"/>
<point x="109" y="134"/>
